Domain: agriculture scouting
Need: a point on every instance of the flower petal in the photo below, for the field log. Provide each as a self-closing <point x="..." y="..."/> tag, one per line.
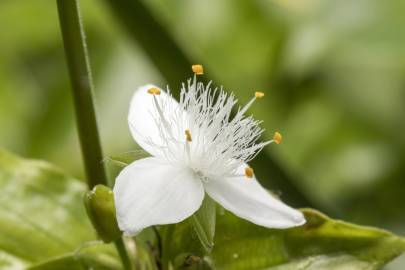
<point x="143" y="115"/>
<point x="151" y="191"/>
<point x="246" y="198"/>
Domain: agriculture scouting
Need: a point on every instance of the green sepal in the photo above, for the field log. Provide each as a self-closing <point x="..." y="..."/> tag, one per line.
<point x="100" y="208"/>
<point x="203" y="223"/>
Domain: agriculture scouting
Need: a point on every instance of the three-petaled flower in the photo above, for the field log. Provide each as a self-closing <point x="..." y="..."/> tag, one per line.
<point x="197" y="147"/>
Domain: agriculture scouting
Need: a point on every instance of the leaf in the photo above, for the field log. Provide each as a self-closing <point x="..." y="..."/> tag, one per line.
<point x="41" y="212"/>
<point x="322" y="243"/>
<point x="123" y="159"/>
<point x="91" y="256"/>
<point x="203" y="222"/>
<point x="43" y="221"/>
<point x="115" y="163"/>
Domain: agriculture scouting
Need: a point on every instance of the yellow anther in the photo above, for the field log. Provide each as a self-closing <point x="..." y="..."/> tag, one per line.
<point x="197" y="69"/>
<point x="259" y="94"/>
<point x="154" y="91"/>
<point x="249" y="172"/>
<point x="277" y="137"/>
<point x="188" y="135"/>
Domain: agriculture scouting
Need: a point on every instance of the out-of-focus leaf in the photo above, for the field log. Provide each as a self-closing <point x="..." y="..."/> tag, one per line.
<point x="93" y="256"/>
<point x="41" y="212"/>
<point x="203" y="222"/>
<point x="322" y="243"/>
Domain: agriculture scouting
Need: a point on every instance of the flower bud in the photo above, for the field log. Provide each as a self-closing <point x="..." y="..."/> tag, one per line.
<point x="100" y="208"/>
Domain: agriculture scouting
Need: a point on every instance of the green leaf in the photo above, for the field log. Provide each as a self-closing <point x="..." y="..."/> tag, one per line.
<point x="322" y="243"/>
<point x="203" y="223"/>
<point x="44" y="223"/>
<point x="41" y="212"/>
<point x="123" y="159"/>
<point x="115" y="163"/>
<point x="91" y="256"/>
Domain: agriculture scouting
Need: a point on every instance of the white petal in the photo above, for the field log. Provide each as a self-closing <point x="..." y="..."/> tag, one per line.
<point x="142" y="118"/>
<point x="246" y="198"/>
<point x="151" y="191"/>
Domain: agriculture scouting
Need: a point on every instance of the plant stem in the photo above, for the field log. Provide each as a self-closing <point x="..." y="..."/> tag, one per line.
<point x="82" y="90"/>
<point x="166" y="243"/>
<point x="122" y="251"/>
<point x="158" y="258"/>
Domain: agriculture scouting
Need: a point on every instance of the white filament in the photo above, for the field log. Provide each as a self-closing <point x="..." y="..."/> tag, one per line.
<point x="220" y="143"/>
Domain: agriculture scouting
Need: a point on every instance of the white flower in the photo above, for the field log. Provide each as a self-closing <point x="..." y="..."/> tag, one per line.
<point x="196" y="147"/>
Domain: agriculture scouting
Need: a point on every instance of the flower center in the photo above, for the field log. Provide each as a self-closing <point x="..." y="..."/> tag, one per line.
<point x="201" y="133"/>
<point x="201" y="176"/>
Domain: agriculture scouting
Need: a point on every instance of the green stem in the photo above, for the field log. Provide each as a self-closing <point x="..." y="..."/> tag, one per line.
<point x="168" y="232"/>
<point x="122" y="251"/>
<point x="82" y="89"/>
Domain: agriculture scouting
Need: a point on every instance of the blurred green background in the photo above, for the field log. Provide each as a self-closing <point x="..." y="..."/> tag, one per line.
<point x="333" y="72"/>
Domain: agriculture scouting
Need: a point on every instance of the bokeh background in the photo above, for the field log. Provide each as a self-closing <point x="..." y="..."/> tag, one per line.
<point x="333" y="72"/>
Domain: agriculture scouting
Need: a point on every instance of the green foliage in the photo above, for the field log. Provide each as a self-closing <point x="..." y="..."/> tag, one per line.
<point x="203" y="222"/>
<point x="42" y="209"/>
<point x="322" y="243"/>
<point x="95" y="256"/>
<point x="41" y="214"/>
<point x="43" y="221"/>
<point x="115" y="163"/>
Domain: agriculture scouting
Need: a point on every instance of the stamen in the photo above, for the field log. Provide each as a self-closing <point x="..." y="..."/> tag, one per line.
<point x="247" y="106"/>
<point x="259" y="94"/>
<point x="224" y="141"/>
<point x="197" y="69"/>
<point x="249" y="172"/>
<point x="154" y="91"/>
<point x="277" y="137"/>
<point x="188" y="135"/>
